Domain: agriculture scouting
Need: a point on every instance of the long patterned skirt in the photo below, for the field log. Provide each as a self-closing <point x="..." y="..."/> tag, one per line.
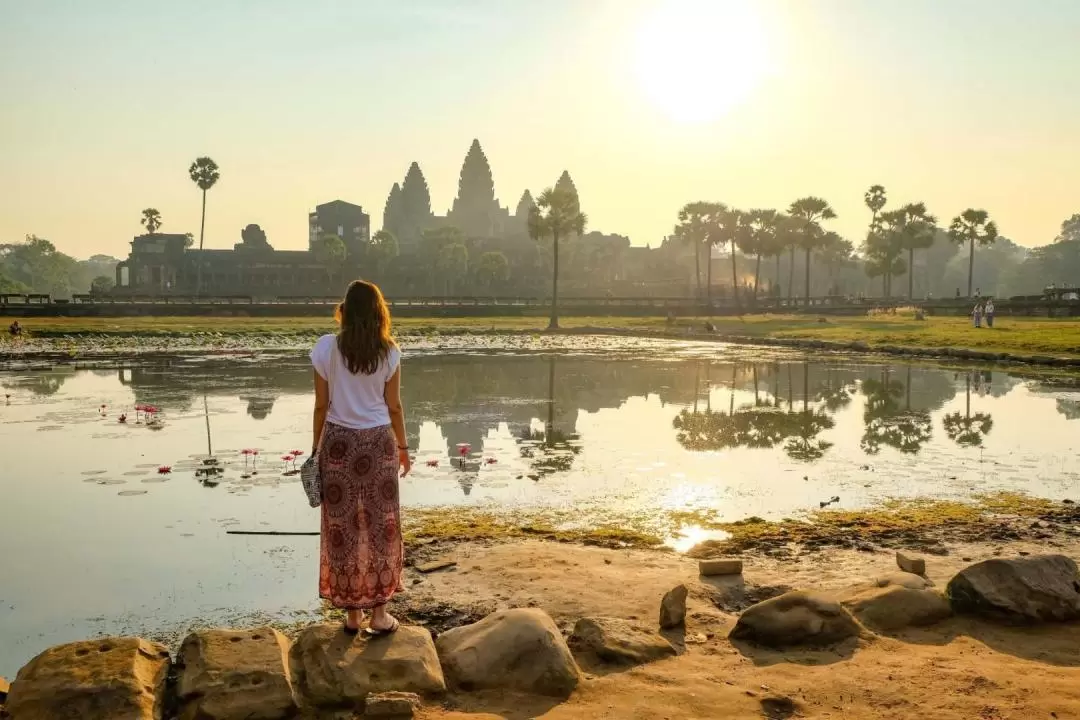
<point x="361" y="552"/>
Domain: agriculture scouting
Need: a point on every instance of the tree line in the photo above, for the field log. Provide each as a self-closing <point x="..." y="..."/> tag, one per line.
<point x="893" y="237"/>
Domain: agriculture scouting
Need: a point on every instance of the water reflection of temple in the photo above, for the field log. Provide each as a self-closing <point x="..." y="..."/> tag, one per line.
<point x="538" y="397"/>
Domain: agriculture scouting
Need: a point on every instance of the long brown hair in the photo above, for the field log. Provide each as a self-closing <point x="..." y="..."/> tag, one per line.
<point x="364" y="338"/>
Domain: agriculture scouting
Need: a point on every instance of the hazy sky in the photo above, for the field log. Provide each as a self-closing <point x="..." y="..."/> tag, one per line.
<point x="648" y="104"/>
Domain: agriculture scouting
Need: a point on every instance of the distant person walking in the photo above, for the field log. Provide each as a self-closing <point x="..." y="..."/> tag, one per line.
<point x="976" y="315"/>
<point x="359" y="440"/>
<point x="989" y="310"/>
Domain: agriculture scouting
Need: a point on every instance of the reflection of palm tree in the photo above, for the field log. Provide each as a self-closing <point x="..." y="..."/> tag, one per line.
<point x="759" y="426"/>
<point x="835" y="396"/>
<point x="805" y="426"/>
<point x="886" y="424"/>
<point x="967" y="430"/>
<point x="552" y="450"/>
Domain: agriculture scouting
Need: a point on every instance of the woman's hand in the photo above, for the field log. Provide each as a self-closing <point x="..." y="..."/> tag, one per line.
<point x="405" y="460"/>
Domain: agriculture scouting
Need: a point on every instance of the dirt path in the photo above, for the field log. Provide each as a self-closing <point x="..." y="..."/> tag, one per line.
<point x="959" y="669"/>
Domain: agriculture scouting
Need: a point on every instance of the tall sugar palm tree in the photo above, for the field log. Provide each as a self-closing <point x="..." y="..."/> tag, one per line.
<point x="810" y="211"/>
<point x="762" y="241"/>
<point x="557" y="213"/>
<point x="973" y="227"/>
<point x="693" y="229"/>
<point x="735" y="228"/>
<point x="204" y="173"/>
<point x="151" y="220"/>
<point x="875" y="199"/>
<point x="916" y="233"/>
<point x="787" y="238"/>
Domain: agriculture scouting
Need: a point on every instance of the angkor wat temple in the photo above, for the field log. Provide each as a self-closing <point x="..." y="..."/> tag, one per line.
<point x="161" y="264"/>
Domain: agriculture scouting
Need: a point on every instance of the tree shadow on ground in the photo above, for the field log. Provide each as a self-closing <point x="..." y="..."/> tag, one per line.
<point x="1048" y="643"/>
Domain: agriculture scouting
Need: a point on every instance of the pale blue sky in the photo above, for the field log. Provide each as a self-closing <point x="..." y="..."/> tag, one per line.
<point x="954" y="102"/>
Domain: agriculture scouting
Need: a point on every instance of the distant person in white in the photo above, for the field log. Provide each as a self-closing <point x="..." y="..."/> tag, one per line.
<point x="359" y="439"/>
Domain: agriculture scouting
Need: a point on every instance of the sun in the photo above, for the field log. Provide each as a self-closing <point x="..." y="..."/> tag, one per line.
<point x="696" y="60"/>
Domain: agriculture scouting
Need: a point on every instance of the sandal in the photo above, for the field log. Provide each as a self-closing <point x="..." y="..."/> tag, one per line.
<point x="378" y="632"/>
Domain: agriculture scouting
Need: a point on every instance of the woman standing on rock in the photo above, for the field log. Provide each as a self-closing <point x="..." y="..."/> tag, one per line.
<point x="359" y="439"/>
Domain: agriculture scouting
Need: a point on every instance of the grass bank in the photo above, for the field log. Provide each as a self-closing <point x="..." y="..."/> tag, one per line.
<point x="1021" y="338"/>
<point x="924" y="524"/>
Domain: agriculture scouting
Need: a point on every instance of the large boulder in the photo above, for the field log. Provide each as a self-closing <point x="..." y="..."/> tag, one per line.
<point x="235" y="675"/>
<point x="795" y="618"/>
<point x="673" y="608"/>
<point x="335" y="670"/>
<point x="107" y="679"/>
<point x="896" y="601"/>
<point x="518" y="649"/>
<point x="618" y="641"/>
<point x="1043" y="588"/>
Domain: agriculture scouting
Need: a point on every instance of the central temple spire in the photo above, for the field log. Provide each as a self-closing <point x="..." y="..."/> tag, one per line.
<point x="475" y="208"/>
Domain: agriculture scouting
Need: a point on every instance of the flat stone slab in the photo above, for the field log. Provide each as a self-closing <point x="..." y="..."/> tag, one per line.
<point x="235" y="675"/>
<point x="106" y="679"/>
<point x="392" y="705"/>
<point x="334" y="670"/>
<point x="434" y="565"/>
<point x="913" y="565"/>
<point x="720" y="566"/>
<point x="619" y="641"/>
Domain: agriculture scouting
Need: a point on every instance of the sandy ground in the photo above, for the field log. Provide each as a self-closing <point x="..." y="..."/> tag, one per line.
<point x="960" y="669"/>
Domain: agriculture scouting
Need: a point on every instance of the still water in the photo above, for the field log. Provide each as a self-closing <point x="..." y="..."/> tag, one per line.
<point x="96" y="536"/>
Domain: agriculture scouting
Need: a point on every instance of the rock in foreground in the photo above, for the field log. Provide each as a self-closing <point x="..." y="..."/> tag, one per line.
<point x="673" y="608"/>
<point x="896" y="601"/>
<point x="235" y="675"/>
<point x="795" y="618"/>
<point x="335" y="670"/>
<point x="107" y="679"/>
<point x="1044" y="588"/>
<point x="392" y="705"/>
<point x="518" y="649"/>
<point x="617" y="641"/>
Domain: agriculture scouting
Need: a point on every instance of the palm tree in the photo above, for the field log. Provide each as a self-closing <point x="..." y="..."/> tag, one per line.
<point x="973" y="226"/>
<point x="693" y="229"/>
<point x="787" y="238"/>
<point x="151" y="220"/>
<point x="736" y="229"/>
<point x="762" y="240"/>
<point x="204" y="173"/>
<point x="916" y="232"/>
<point x="557" y="213"/>
<point x="883" y="248"/>
<point x="875" y="199"/>
<point x="810" y="211"/>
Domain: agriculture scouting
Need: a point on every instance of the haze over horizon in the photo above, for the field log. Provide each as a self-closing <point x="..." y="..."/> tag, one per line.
<point x="648" y="103"/>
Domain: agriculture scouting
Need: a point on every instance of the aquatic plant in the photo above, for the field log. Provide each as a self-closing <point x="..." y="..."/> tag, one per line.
<point x="165" y="470"/>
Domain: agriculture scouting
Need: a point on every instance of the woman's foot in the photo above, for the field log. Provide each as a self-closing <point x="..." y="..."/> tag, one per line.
<point x="353" y="620"/>
<point x="382" y="622"/>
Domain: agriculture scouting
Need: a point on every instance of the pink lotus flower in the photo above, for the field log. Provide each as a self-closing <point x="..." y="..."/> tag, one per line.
<point x="165" y="470"/>
<point x="122" y="418"/>
<point x="297" y="453"/>
<point x="433" y="463"/>
<point x="491" y="461"/>
<point x="463" y="449"/>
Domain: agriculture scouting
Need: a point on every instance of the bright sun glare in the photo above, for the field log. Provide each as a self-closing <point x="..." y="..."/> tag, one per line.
<point x="698" y="59"/>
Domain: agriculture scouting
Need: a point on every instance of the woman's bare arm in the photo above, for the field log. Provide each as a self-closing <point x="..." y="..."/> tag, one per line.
<point x="322" y="402"/>
<point x="392" y="395"/>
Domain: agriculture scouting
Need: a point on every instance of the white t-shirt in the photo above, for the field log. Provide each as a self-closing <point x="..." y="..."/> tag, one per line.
<point x="356" y="401"/>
